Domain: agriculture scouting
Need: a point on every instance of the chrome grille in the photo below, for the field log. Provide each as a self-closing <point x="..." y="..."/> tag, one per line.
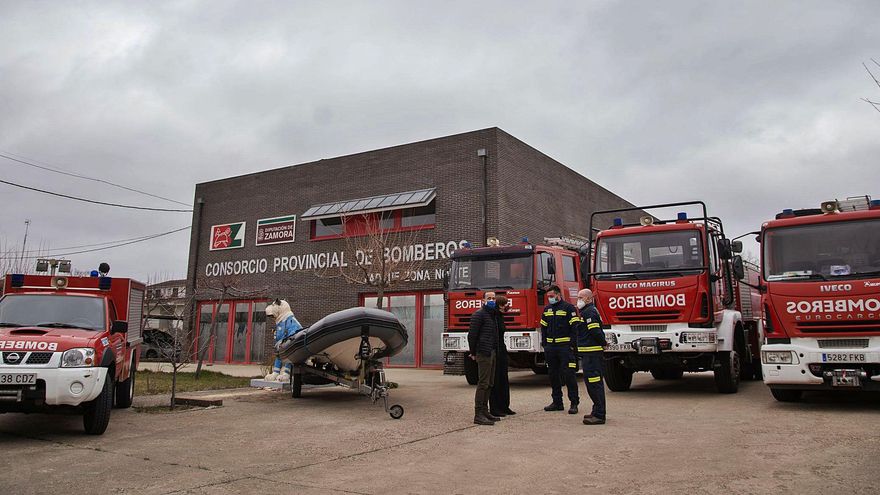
<point x="843" y="343"/>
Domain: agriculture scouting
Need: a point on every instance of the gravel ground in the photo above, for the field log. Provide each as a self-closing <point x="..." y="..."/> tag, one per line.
<point x="661" y="437"/>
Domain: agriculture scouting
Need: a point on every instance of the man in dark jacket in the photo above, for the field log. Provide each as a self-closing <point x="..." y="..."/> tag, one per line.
<point x="499" y="396"/>
<point x="590" y="345"/>
<point x="559" y="323"/>
<point x="483" y="344"/>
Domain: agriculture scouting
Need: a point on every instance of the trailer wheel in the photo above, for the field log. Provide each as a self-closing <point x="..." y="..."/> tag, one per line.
<point x="396" y="411"/>
<point x="296" y="385"/>
<point x="617" y="376"/>
<point x="667" y="373"/>
<point x="727" y="374"/>
<point x="786" y="395"/>
<point x="471" y="371"/>
<point x="125" y="389"/>
<point x="97" y="412"/>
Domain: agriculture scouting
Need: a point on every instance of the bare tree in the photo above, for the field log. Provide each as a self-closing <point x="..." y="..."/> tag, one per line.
<point x="875" y="104"/>
<point x="14" y="259"/>
<point x="379" y="258"/>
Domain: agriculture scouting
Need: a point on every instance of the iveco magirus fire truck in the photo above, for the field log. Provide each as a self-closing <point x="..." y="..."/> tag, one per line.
<point x="522" y="272"/>
<point x="670" y="300"/>
<point x="820" y="272"/>
<point x="69" y="344"/>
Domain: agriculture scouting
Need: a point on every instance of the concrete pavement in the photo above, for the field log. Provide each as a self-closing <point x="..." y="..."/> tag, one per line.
<point x="661" y="437"/>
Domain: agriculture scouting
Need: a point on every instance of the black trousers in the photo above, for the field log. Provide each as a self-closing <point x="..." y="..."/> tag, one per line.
<point x="594" y="368"/>
<point x="499" y="396"/>
<point x="562" y="366"/>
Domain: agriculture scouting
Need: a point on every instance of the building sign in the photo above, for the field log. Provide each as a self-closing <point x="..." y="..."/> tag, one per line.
<point x="278" y="230"/>
<point x="227" y="236"/>
<point x="414" y="254"/>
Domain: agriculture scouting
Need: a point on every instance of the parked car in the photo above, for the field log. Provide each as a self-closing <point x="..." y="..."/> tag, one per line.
<point x="158" y="345"/>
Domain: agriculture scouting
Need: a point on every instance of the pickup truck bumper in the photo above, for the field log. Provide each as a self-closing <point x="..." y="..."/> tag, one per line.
<point x="810" y="367"/>
<point x="53" y="387"/>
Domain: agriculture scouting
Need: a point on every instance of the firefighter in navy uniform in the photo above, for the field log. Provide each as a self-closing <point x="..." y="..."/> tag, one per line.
<point x="559" y="322"/>
<point x="590" y="345"/>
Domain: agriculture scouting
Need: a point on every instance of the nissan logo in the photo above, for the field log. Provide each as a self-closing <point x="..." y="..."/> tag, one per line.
<point x="12" y="357"/>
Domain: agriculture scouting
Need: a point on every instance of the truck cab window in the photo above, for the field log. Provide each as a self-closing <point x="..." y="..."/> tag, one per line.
<point x="569" y="269"/>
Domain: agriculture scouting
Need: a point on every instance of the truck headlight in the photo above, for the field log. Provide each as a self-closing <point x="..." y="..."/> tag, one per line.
<point x="78" y="357"/>
<point x="697" y="338"/>
<point x="777" y="357"/>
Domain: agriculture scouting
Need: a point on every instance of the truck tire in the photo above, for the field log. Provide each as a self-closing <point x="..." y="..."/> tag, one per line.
<point x="617" y="376"/>
<point x="471" y="371"/>
<point x="727" y="373"/>
<point x="786" y="395"/>
<point x="151" y="354"/>
<point x="667" y="373"/>
<point x="97" y="412"/>
<point x="125" y="389"/>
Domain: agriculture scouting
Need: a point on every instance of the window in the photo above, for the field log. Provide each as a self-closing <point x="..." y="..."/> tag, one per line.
<point x="423" y="217"/>
<point x="652" y="252"/>
<point x="569" y="269"/>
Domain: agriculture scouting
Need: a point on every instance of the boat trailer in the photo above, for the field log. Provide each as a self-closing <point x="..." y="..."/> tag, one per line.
<point x="369" y="381"/>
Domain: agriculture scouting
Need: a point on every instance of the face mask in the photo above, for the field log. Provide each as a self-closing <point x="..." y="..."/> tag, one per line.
<point x="490" y="304"/>
<point x="553" y="300"/>
<point x="581" y="304"/>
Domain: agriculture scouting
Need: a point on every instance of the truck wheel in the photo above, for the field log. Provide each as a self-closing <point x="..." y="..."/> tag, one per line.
<point x="125" y="390"/>
<point x="727" y="374"/>
<point x="97" y="412"/>
<point x="667" y="374"/>
<point x="296" y="385"/>
<point x="151" y="354"/>
<point x="786" y="395"/>
<point x="617" y="376"/>
<point x="471" y="371"/>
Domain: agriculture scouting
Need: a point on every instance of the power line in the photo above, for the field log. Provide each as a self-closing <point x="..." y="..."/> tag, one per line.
<point x="91" y="200"/>
<point x="7" y="154"/>
<point x="154" y="236"/>
<point x="49" y="250"/>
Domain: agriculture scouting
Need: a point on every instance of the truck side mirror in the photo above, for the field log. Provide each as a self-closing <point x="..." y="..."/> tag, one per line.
<point x="119" y="326"/>
<point x="551" y="266"/>
<point x="445" y="280"/>
<point x="739" y="271"/>
<point x="585" y="271"/>
<point x="736" y="246"/>
<point x="724" y="251"/>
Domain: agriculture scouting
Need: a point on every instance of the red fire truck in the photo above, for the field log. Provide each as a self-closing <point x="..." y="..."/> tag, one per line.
<point x="69" y="344"/>
<point x="670" y="299"/>
<point x="522" y="272"/>
<point x="820" y="277"/>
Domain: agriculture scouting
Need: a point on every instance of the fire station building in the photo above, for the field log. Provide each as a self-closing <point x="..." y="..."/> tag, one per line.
<point x="309" y="233"/>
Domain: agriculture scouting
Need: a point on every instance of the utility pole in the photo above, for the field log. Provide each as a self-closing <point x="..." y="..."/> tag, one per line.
<point x="27" y="225"/>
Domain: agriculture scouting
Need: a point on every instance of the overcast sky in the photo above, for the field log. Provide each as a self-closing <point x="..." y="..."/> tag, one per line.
<point x="751" y="106"/>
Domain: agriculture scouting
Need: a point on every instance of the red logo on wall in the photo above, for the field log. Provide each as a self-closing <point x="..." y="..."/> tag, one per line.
<point x="227" y="236"/>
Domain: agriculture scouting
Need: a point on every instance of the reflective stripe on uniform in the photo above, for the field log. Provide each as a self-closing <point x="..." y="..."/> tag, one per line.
<point x="560" y="339"/>
<point x="575" y="320"/>
<point x="572" y="365"/>
<point x="592" y="348"/>
<point x="548" y="313"/>
<point x="593" y="325"/>
<point x="560" y="312"/>
<point x="543" y="323"/>
<point x="594" y="379"/>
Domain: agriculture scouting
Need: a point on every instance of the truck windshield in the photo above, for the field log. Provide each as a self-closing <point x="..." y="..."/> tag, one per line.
<point x="28" y="310"/>
<point x="823" y="251"/>
<point x="657" y="253"/>
<point x="495" y="272"/>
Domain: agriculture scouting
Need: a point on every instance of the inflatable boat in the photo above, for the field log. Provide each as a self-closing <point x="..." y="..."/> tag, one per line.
<point x="337" y="338"/>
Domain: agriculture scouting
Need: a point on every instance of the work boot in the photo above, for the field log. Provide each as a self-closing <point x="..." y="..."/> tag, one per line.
<point x="554" y="407"/>
<point x="592" y="420"/>
<point x="497" y="414"/>
<point x="481" y="419"/>
<point x="573" y="409"/>
<point x="509" y="412"/>
<point x="492" y="417"/>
